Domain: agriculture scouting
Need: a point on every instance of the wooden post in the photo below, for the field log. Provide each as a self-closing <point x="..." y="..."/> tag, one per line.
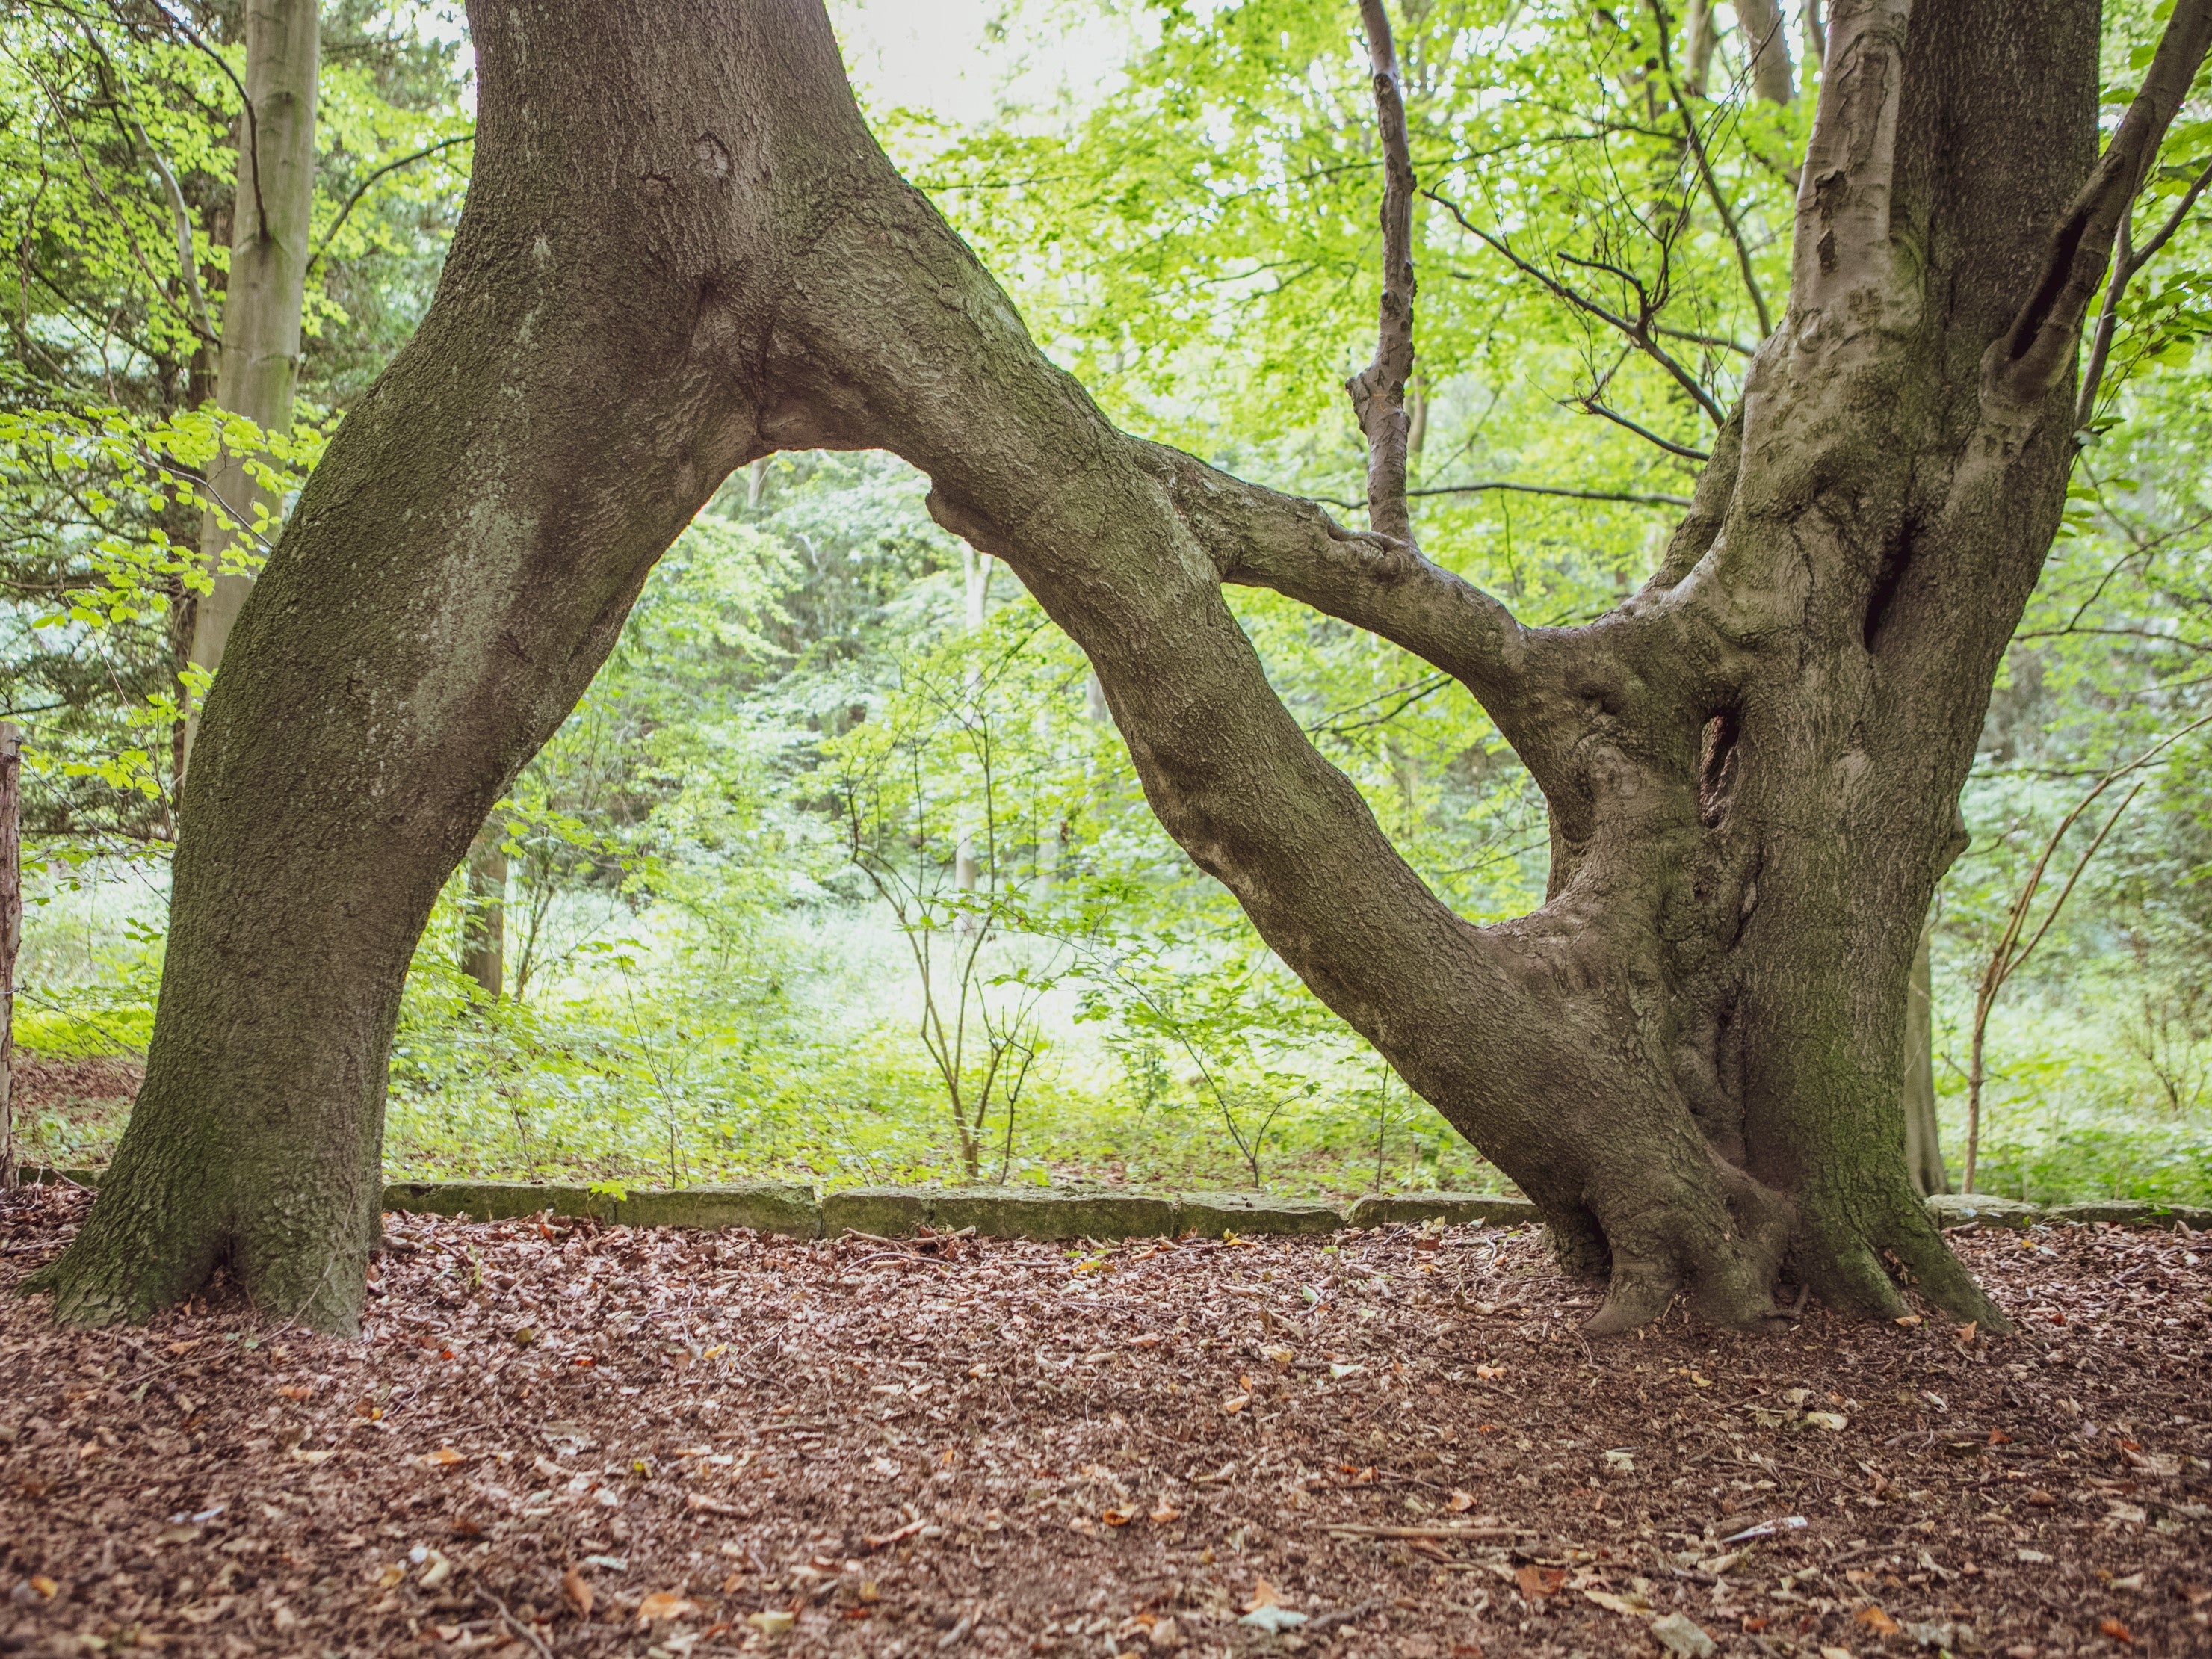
<point x="11" y="934"/>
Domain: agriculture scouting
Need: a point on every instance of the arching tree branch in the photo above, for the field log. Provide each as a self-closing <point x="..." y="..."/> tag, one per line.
<point x="2127" y="261"/>
<point x="2038" y="349"/>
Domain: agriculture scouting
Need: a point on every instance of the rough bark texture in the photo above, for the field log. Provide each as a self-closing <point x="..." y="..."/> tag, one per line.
<point x="269" y="224"/>
<point x="683" y="249"/>
<point x="1924" y="1145"/>
<point x="11" y="933"/>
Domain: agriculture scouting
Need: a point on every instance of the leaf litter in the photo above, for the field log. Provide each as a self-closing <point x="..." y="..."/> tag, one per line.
<point x="559" y="1438"/>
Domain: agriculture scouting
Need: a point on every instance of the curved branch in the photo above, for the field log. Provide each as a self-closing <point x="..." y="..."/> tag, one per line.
<point x="362" y="188"/>
<point x="187" y="259"/>
<point x="1259" y="538"/>
<point x="252" y="119"/>
<point x="2038" y="349"/>
<point x="2126" y="262"/>
<point x="1592" y="406"/>
<point x="1634" y="498"/>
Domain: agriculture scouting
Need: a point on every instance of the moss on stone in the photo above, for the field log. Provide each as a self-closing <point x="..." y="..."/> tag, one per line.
<point x="882" y="1212"/>
<point x="1213" y="1214"/>
<point x="1035" y="1212"/>
<point x="767" y="1206"/>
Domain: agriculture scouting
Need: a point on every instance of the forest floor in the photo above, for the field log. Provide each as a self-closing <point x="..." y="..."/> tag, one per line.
<point x="566" y="1439"/>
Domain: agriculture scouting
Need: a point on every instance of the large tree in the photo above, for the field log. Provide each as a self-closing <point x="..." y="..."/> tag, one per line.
<point x="684" y="250"/>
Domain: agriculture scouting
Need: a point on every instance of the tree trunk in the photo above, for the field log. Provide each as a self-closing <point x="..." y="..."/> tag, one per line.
<point x="270" y="221"/>
<point x="483" y="919"/>
<point x="1698" y="50"/>
<point x="1924" y="1151"/>
<point x="1764" y="34"/>
<point x="11" y="933"/>
<point x="681" y="250"/>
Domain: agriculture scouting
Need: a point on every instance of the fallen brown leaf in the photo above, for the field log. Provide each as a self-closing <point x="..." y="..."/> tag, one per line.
<point x="1536" y="1582"/>
<point x="578" y="1592"/>
<point x="665" y="1604"/>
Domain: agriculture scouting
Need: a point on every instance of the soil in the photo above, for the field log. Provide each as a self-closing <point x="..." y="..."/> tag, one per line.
<point x="568" y="1439"/>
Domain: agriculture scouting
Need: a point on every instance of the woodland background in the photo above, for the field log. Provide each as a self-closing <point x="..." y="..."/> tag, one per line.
<point x="840" y="869"/>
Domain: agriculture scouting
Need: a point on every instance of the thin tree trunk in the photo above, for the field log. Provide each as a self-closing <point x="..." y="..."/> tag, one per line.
<point x="976" y="583"/>
<point x="484" y="920"/>
<point x="1697" y="48"/>
<point x="1923" y="1152"/>
<point x="1764" y="33"/>
<point x="1816" y="37"/>
<point x="11" y="933"/>
<point x="261" y="309"/>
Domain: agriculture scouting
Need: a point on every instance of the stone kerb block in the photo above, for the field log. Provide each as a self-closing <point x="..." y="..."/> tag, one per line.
<point x="880" y="1211"/>
<point x="1212" y="1214"/>
<point x="488" y="1200"/>
<point x="1957" y="1210"/>
<point x="2130" y="1212"/>
<point x="766" y="1206"/>
<point x="1041" y="1213"/>
<point x="1453" y="1209"/>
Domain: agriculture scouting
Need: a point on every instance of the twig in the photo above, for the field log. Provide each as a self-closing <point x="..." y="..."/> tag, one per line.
<point x="1639" y="332"/>
<point x="1329" y="1621"/>
<point x="361" y="190"/>
<point x="1712" y="184"/>
<point x="1358" y="1529"/>
<point x="2126" y="262"/>
<point x="1591" y="405"/>
<point x="510" y="1621"/>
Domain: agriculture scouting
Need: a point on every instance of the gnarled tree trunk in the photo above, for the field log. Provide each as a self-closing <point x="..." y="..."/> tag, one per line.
<point x="683" y="249"/>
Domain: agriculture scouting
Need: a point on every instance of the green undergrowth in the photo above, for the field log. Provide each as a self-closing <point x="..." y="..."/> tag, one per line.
<point x="794" y="1054"/>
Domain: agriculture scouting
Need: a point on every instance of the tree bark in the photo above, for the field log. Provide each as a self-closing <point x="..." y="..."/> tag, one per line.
<point x="1924" y="1151"/>
<point x="270" y="221"/>
<point x="681" y="250"/>
<point x="1697" y="47"/>
<point x="483" y="919"/>
<point x="11" y="933"/>
<point x="1764" y="33"/>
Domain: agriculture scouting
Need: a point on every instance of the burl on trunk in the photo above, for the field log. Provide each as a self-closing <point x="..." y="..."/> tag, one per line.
<point x="683" y="250"/>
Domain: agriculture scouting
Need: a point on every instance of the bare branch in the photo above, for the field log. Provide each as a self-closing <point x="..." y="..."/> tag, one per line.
<point x="1718" y="342"/>
<point x="362" y="188"/>
<point x="252" y="120"/>
<point x="2039" y="347"/>
<point x="1643" y="332"/>
<point x="1378" y="392"/>
<point x="1712" y="184"/>
<point x="187" y="259"/>
<point x="1632" y="497"/>
<point x="1592" y="406"/>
